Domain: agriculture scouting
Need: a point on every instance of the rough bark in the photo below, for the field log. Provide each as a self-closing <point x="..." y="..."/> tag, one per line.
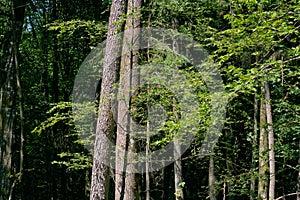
<point x="271" y="143"/>
<point x="104" y="129"/>
<point x="263" y="148"/>
<point x="125" y="187"/>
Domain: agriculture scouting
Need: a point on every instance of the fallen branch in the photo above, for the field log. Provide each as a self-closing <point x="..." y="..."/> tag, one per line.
<point x="287" y="195"/>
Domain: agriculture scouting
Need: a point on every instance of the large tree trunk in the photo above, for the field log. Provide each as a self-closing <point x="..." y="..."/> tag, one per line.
<point x="125" y="187"/>
<point x="8" y="91"/>
<point x="271" y="143"/>
<point x="263" y="148"/>
<point x="7" y="116"/>
<point x="104" y="129"/>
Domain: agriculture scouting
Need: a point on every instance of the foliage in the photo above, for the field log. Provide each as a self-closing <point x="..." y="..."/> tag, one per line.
<point x="249" y="41"/>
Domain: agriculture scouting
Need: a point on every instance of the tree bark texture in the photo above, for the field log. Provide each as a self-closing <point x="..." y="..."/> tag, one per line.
<point x="105" y="121"/>
<point x="125" y="187"/>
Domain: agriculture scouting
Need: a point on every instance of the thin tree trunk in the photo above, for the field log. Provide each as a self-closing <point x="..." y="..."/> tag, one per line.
<point x="52" y="171"/>
<point x="254" y="148"/>
<point x="263" y="148"/>
<point x="178" y="172"/>
<point x="21" y="110"/>
<point x="147" y="163"/>
<point x="211" y="178"/>
<point x="271" y="143"/>
<point x="298" y="178"/>
<point x="178" y="179"/>
<point x="105" y="127"/>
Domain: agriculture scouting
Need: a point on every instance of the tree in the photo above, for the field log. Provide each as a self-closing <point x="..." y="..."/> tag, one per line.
<point x="211" y="178"/>
<point x="263" y="148"/>
<point x="125" y="183"/>
<point x="10" y="78"/>
<point x="270" y="142"/>
<point x="105" y="121"/>
<point x="242" y="38"/>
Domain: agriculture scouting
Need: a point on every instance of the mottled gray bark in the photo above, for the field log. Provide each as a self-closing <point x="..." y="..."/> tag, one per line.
<point x="105" y="121"/>
<point x="125" y="187"/>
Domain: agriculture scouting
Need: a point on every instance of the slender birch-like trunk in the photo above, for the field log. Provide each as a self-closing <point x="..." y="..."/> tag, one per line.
<point x="263" y="148"/>
<point x="271" y="143"/>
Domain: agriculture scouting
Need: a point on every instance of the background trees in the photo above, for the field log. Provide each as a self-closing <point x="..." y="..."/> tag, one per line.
<point x="11" y="170"/>
<point x="253" y="43"/>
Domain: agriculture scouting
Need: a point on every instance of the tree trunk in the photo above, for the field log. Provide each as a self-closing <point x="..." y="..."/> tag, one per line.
<point x="271" y="143"/>
<point x="298" y="178"/>
<point x="263" y="148"/>
<point x="254" y="147"/>
<point x="211" y="178"/>
<point x="22" y="118"/>
<point x="147" y="163"/>
<point x="125" y="187"/>
<point x="178" y="179"/>
<point x="8" y="91"/>
<point x="178" y="172"/>
<point x="52" y="152"/>
<point x="105" y="127"/>
<point x="7" y="116"/>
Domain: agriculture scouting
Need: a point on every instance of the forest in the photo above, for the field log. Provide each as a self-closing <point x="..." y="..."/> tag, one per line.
<point x="149" y="99"/>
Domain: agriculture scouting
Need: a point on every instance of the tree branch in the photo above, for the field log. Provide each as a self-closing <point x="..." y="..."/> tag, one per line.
<point x="287" y="195"/>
